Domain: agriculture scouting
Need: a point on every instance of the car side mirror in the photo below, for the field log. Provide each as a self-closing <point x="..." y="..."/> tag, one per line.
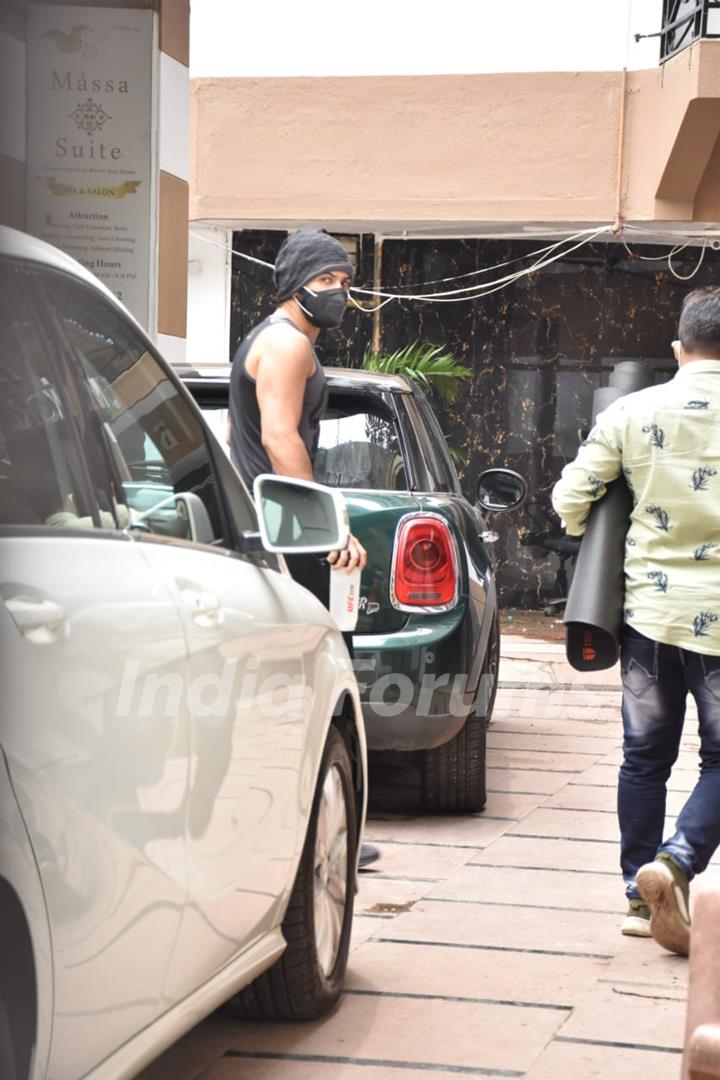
<point x="299" y="516"/>
<point x="500" y="489"/>
<point x="181" y="514"/>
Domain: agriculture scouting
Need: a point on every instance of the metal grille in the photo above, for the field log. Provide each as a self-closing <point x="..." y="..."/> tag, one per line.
<point x="685" y="21"/>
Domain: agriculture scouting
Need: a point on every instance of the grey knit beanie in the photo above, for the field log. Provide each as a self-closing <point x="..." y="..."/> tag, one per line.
<point x="305" y="254"/>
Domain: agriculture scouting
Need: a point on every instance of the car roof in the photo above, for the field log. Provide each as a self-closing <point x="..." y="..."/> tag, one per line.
<point x="20" y="245"/>
<point x="338" y="378"/>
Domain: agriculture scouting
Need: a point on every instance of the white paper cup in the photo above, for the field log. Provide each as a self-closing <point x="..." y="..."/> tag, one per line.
<point x="345" y="598"/>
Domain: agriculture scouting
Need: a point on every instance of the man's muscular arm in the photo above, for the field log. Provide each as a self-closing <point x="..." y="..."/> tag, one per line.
<point x="283" y="368"/>
<point x="281" y="373"/>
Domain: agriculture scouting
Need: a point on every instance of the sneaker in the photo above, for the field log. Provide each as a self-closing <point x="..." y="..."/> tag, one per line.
<point x="663" y="886"/>
<point x="637" y="921"/>
<point x="368" y="855"/>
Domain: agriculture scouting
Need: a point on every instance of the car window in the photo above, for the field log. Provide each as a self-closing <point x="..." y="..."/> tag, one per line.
<point x="155" y="448"/>
<point x="359" y="447"/>
<point x="216" y="417"/>
<point x="42" y="481"/>
<point x="434" y="447"/>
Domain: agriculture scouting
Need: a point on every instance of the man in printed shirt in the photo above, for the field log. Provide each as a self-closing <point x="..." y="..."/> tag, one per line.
<point x="666" y="441"/>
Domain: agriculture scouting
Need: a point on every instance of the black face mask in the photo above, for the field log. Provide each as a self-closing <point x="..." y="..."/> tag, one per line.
<point x="323" y="309"/>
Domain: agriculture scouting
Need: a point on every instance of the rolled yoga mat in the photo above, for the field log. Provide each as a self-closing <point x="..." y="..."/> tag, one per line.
<point x="596" y="599"/>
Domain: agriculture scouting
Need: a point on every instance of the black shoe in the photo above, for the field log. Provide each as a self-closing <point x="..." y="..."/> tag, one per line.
<point x="368" y="854"/>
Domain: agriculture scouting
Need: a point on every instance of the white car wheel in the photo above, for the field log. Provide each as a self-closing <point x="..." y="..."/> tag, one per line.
<point x="308" y="978"/>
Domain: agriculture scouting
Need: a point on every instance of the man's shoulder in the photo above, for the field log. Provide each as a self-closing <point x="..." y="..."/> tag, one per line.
<point x="282" y="334"/>
<point x="280" y="347"/>
<point x="640" y="400"/>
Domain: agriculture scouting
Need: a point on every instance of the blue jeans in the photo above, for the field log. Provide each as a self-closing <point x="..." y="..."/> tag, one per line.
<point x="656" y="681"/>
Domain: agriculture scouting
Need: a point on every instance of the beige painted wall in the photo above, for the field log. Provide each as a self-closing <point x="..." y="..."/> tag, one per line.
<point x="453" y="150"/>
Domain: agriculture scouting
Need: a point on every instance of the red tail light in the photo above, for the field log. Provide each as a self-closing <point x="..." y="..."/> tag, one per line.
<point x="425" y="569"/>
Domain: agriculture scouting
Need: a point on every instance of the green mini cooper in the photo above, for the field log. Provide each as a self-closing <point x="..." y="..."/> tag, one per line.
<point x="427" y="640"/>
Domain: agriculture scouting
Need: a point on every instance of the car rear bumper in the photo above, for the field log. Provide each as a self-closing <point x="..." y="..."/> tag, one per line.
<point x="408" y="731"/>
<point x="417" y="686"/>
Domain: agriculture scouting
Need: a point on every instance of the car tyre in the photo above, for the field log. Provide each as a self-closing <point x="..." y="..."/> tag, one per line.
<point x="453" y="776"/>
<point x="307" y="980"/>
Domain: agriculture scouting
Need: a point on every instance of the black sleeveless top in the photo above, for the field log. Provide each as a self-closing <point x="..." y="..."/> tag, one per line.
<point x="246" y="449"/>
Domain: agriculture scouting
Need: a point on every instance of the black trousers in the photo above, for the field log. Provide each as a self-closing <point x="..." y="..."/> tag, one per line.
<point x="313" y="572"/>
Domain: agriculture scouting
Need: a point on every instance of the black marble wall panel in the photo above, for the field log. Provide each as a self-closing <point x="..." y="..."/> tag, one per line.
<point x="538" y="348"/>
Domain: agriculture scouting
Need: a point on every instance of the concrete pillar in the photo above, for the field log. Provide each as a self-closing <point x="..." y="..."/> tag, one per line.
<point x="209" y="283"/>
<point x="173" y="192"/>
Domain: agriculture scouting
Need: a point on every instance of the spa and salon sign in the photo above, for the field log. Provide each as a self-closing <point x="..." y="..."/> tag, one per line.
<point x="90" y="138"/>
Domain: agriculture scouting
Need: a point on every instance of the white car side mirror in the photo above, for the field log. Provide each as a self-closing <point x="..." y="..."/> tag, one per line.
<point x="299" y="516"/>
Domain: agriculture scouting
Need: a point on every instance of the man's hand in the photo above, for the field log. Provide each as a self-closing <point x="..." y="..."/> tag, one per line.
<point x="353" y="557"/>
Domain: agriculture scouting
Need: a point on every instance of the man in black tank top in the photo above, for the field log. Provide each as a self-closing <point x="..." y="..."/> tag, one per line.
<point x="278" y="391"/>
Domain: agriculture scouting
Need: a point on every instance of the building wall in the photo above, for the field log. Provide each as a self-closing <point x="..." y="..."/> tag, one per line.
<point x="459" y="151"/>
<point x="392" y="150"/>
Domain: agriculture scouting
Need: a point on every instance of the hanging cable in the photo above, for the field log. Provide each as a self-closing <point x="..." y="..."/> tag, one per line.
<point x="226" y="248"/>
<point x="497" y="266"/>
<point x="547" y="256"/>
<point x="370" y="310"/>
<point x="456" y="277"/>
<point x="452" y="295"/>
<point x="687" y="277"/>
<point x="655" y="258"/>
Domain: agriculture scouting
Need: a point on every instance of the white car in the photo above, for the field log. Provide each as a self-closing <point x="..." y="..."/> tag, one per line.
<point x="182" y="756"/>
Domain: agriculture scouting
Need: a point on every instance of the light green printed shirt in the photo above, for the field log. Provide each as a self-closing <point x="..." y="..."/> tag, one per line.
<point x="666" y="441"/>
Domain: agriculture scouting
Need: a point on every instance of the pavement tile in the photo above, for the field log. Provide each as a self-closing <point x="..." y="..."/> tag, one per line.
<point x="473" y="831"/>
<point x="508" y="927"/>
<point x="365" y="926"/>
<point x="527" y="780"/>
<point x="551" y="726"/>
<point x="610" y="677"/>
<point x="550" y="761"/>
<point x="537" y="887"/>
<point x="402" y="857"/>
<point x="654" y="1017"/>
<point x="510" y="804"/>
<point x="421" y="1031"/>
<point x="579" y="856"/>
<point x="555" y="729"/>
<point x="503" y="738"/>
<point x="582" y="1062"/>
<point x="528" y="706"/>
<point x="408" y="968"/>
<point x="608" y="774"/>
<point x="272" y="1069"/>
<point x="527" y="671"/>
<point x="565" y="694"/>
<point x="640" y="963"/>
<point x="378" y="895"/>
<point x="517" y="646"/>
<point x="576" y="824"/>
<point x="602" y="799"/>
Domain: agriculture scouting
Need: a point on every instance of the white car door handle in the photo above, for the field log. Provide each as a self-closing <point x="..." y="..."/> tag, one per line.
<point x="35" y="618"/>
<point x="203" y="606"/>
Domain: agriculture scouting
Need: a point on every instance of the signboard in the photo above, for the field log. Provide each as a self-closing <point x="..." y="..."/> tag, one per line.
<point x="89" y="142"/>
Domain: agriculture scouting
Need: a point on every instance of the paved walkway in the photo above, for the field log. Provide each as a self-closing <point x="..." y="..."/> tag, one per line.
<point x="489" y="946"/>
